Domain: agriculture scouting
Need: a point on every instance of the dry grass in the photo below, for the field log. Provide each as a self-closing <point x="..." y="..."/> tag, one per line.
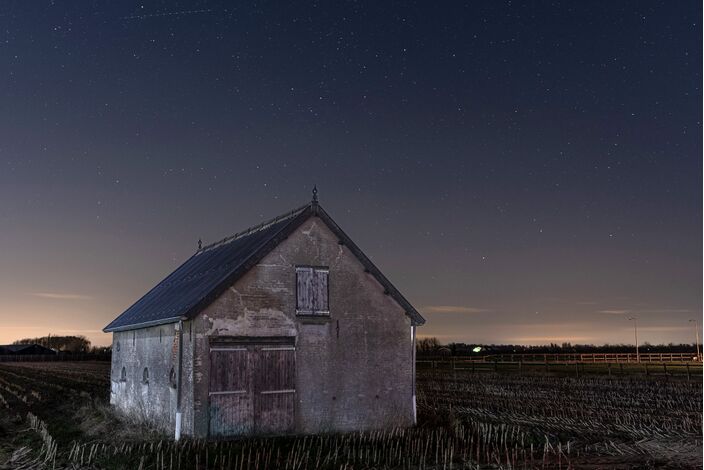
<point x="465" y="421"/>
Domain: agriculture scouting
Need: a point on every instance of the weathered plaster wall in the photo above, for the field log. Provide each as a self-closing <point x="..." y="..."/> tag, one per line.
<point x="353" y="369"/>
<point x="187" y="418"/>
<point x="153" y="401"/>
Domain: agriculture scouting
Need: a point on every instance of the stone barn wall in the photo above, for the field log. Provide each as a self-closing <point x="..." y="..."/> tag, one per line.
<point x="153" y="401"/>
<point x="353" y="369"/>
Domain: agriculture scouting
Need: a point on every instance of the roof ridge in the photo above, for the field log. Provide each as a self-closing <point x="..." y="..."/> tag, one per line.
<point x="254" y="228"/>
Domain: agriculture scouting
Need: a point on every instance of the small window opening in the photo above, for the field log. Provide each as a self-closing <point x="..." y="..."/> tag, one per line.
<point x="172" y="378"/>
<point x="123" y="375"/>
<point x="145" y="376"/>
<point x="117" y="346"/>
<point x="133" y="338"/>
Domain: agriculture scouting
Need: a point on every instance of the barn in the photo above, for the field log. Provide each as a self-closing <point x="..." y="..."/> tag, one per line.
<point x="286" y="327"/>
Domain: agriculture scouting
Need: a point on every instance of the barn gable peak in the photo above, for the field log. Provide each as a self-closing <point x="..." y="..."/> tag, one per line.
<point x="213" y="268"/>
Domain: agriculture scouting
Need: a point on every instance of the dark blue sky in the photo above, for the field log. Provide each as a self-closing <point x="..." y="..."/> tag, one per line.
<point x="523" y="172"/>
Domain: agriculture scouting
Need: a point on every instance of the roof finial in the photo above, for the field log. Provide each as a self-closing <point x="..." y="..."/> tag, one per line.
<point x="315" y="194"/>
<point x="200" y="244"/>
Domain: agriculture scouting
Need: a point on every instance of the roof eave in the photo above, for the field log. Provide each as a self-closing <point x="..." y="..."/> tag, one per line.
<point x="137" y="326"/>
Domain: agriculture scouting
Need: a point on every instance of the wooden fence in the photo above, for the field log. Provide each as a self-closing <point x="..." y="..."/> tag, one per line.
<point x="595" y="357"/>
<point x="588" y="358"/>
<point x="675" y="368"/>
<point x="53" y="357"/>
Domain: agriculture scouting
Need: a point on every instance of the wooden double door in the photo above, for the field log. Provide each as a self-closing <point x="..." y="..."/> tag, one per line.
<point x="252" y="387"/>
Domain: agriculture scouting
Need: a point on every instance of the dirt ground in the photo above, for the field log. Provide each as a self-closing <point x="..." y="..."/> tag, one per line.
<point x="470" y="420"/>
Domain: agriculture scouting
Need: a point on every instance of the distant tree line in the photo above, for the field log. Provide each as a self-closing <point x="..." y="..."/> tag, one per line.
<point x="432" y="346"/>
<point x="428" y="345"/>
<point x="68" y="344"/>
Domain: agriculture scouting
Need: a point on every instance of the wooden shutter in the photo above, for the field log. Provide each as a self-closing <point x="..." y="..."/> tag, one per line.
<point x="304" y="290"/>
<point x="320" y="290"/>
<point x="312" y="290"/>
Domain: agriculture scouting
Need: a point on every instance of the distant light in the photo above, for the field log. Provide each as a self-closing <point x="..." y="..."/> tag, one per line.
<point x="477" y="349"/>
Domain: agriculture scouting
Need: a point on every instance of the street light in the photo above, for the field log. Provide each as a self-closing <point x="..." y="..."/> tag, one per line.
<point x="635" y="327"/>
<point x="696" y="336"/>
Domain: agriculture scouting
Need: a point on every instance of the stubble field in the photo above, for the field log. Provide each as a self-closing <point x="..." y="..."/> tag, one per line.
<point x="55" y="415"/>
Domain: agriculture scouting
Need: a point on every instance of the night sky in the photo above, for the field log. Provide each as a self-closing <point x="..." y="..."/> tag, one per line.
<point x="523" y="173"/>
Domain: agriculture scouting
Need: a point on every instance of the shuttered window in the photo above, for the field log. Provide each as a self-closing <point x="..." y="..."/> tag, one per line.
<point x="312" y="290"/>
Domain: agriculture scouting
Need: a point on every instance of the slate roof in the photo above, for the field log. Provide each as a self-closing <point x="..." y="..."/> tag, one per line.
<point x="212" y="269"/>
